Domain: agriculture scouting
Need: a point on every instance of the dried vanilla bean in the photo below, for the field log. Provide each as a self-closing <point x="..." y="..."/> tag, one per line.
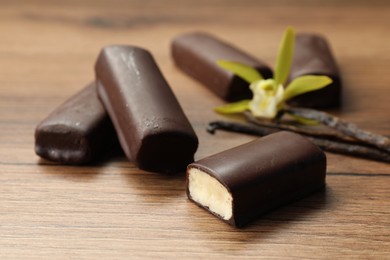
<point x="362" y="151"/>
<point x="328" y="133"/>
<point x="382" y="142"/>
<point x="340" y="147"/>
<point x="239" y="128"/>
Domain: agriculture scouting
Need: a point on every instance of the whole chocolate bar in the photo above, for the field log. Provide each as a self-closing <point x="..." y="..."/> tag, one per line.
<point x="244" y="182"/>
<point x="77" y="132"/>
<point x="152" y="128"/>
<point x="313" y="56"/>
<point x="197" y="55"/>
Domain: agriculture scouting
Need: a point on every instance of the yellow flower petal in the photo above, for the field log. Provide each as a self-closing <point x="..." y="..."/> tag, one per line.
<point x="243" y="71"/>
<point x="305" y="84"/>
<point x="283" y="62"/>
<point x="233" y="108"/>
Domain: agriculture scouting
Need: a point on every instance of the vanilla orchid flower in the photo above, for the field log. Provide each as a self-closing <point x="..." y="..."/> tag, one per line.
<point x="270" y="95"/>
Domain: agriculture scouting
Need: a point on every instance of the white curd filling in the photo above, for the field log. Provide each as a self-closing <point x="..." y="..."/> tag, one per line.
<point x="210" y="193"/>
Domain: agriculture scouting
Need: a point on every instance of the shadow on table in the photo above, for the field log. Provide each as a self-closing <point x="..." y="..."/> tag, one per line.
<point x="82" y="172"/>
<point x="150" y="185"/>
<point x="156" y="187"/>
<point x="267" y="226"/>
<point x="70" y="172"/>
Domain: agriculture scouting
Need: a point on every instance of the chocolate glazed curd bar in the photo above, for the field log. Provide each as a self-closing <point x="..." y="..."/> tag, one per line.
<point x="77" y="132"/>
<point x="151" y="126"/>
<point x="240" y="184"/>
<point x="197" y="54"/>
<point x="313" y="56"/>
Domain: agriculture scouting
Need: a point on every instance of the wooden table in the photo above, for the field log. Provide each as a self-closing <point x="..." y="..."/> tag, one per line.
<point x="116" y="211"/>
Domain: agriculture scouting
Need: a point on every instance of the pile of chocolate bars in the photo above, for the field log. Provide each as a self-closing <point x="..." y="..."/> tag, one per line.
<point x="131" y="101"/>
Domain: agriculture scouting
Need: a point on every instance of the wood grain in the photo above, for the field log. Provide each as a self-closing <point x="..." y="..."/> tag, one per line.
<point x="115" y="211"/>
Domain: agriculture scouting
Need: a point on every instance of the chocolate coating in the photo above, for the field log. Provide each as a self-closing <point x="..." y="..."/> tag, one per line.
<point x="313" y="56"/>
<point x="77" y="132"/>
<point x="152" y="128"/>
<point x="197" y="54"/>
<point x="266" y="173"/>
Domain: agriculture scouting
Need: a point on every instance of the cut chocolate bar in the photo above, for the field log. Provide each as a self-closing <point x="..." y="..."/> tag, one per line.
<point x="77" y="132"/>
<point x="244" y="182"/>
<point x="152" y="128"/>
<point x="197" y="55"/>
<point x="313" y="56"/>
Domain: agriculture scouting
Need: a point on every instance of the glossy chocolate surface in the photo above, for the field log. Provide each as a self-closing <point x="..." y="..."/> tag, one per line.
<point x="77" y="132"/>
<point x="266" y="173"/>
<point x="313" y="56"/>
<point x="197" y="53"/>
<point x="152" y="128"/>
